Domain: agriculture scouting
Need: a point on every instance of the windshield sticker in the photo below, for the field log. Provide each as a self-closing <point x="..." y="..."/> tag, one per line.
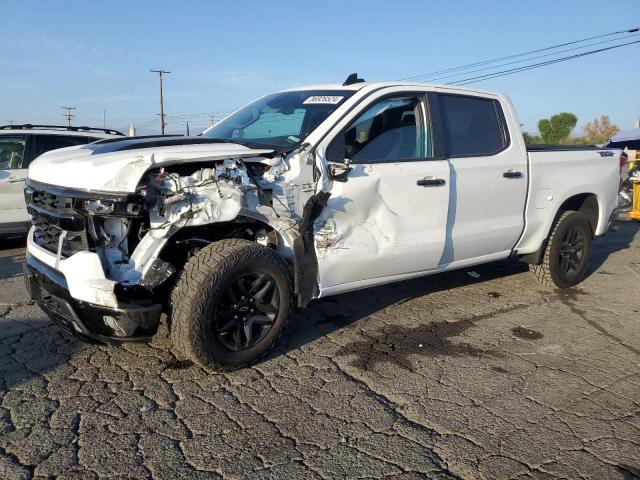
<point x="326" y="99"/>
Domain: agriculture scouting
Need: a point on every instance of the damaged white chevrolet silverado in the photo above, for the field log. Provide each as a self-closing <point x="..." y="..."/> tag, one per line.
<point x="302" y="194"/>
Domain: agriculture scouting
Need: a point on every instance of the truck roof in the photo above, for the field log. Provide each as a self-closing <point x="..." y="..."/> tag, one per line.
<point x="375" y="85"/>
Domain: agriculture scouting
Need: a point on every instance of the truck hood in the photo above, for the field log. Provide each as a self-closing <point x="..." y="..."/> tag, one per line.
<point x="117" y="166"/>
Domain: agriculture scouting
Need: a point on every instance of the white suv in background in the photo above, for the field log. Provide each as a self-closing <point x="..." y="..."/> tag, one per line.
<point x="19" y="145"/>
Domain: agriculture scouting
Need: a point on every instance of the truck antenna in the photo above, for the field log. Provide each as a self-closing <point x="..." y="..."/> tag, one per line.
<point x="353" y="78"/>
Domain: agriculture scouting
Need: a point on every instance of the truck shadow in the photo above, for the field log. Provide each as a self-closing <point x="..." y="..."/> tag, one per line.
<point x="12" y="251"/>
<point x="32" y="347"/>
<point x="396" y="343"/>
<point x="619" y="239"/>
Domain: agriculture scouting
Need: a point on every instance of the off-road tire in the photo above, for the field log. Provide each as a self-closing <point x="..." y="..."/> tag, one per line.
<point x="549" y="272"/>
<point x="202" y="281"/>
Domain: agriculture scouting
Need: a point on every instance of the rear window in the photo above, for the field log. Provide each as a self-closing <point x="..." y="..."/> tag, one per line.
<point x="472" y="126"/>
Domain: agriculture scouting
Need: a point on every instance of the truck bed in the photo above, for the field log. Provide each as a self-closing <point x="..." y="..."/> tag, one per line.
<point x="556" y="174"/>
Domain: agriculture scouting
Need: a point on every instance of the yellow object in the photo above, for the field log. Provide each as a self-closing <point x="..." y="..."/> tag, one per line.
<point x="632" y="163"/>
<point x="635" y="211"/>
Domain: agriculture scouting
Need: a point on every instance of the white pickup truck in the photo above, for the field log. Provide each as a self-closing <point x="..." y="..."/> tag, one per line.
<point x="301" y="194"/>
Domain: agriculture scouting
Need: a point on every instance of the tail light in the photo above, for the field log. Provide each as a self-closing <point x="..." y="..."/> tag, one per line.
<point x="623" y="159"/>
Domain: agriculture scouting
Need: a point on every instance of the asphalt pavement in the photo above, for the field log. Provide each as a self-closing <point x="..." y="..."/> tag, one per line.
<point x="448" y="376"/>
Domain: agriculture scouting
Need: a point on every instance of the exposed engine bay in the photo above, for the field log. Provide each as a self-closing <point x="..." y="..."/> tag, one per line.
<point x="261" y="199"/>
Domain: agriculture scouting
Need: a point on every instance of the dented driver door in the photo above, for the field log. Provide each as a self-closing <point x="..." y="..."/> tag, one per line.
<point x="388" y="220"/>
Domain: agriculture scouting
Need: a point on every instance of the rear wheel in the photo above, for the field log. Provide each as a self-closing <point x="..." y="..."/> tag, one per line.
<point x="566" y="257"/>
<point x="230" y="304"/>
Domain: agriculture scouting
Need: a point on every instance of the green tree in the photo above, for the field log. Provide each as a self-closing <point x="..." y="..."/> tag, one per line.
<point x="557" y="128"/>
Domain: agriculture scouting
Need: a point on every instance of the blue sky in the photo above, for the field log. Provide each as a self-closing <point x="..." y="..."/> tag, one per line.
<point x="96" y="55"/>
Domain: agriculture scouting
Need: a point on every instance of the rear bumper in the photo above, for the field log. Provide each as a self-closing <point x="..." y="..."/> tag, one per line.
<point x="90" y="322"/>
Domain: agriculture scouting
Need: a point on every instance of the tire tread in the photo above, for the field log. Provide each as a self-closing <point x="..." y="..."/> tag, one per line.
<point x="543" y="271"/>
<point x="197" y="284"/>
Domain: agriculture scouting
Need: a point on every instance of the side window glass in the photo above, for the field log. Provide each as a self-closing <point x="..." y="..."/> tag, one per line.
<point x="11" y="152"/>
<point x="389" y="130"/>
<point x="472" y="126"/>
<point x="44" y="143"/>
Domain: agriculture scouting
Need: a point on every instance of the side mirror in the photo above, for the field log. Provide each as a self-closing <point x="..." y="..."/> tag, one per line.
<point x="340" y="171"/>
<point x="338" y="165"/>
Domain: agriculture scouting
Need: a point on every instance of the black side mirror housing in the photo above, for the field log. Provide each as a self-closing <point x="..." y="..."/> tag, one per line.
<point x="339" y="171"/>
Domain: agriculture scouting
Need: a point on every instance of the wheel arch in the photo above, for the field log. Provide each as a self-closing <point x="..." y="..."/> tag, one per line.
<point x="585" y="203"/>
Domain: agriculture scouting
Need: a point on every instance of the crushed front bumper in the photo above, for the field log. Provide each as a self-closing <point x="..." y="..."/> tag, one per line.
<point x="90" y="322"/>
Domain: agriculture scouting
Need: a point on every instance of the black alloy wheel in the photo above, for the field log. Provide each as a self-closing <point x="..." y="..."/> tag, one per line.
<point x="230" y="304"/>
<point x="571" y="250"/>
<point x="566" y="255"/>
<point x="246" y="311"/>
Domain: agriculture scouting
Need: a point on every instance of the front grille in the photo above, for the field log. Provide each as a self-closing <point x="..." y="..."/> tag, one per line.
<point x="48" y="237"/>
<point x="50" y="201"/>
<point x="52" y="214"/>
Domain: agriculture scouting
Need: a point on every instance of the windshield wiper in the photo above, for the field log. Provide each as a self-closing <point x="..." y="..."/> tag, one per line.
<point x="245" y="143"/>
<point x="224" y="140"/>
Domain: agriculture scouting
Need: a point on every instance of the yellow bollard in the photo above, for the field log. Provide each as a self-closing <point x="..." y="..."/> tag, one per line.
<point x="635" y="211"/>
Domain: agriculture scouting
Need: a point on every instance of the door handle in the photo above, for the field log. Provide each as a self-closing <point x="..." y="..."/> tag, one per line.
<point x="15" y="179"/>
<point x="431" y="182"/>
<point x="512" y="174"/>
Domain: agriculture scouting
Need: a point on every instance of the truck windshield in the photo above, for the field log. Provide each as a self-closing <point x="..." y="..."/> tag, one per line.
<point x="280" y="120"/>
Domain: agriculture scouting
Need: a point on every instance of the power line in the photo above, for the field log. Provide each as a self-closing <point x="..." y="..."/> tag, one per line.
<point x="160" y="74"/>
<point x="466" y="72"/>
<point x="68" y="114"/>
<point x="201" y="114"/>
<point x="510" y="71"/>
<point x="508" y="57"/>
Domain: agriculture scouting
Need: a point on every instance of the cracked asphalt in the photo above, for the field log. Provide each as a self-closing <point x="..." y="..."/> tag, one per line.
<point x="447" y="376"/>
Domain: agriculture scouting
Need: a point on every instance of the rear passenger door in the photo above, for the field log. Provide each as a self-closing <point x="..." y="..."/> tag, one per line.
<point x="488" y="184"/>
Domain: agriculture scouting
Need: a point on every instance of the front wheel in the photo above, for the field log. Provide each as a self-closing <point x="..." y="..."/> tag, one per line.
<point x="566" y="257"/>
<point x="230" y="304"/>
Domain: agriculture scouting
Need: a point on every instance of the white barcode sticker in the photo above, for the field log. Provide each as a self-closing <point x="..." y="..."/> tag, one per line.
<point x="328" y="99"/>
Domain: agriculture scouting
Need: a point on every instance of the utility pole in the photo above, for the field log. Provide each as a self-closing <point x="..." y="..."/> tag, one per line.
<point x="68" y="114"/>
<point x="160" y="74"/>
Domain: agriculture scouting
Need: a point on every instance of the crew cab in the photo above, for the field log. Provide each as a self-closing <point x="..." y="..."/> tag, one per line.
<point x="301" y="194"/>
<point x="19" y="144"/>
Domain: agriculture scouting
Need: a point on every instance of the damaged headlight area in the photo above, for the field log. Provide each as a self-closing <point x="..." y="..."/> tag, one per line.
<point x="107" y="207"/>
<point x="130" y="235"/>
